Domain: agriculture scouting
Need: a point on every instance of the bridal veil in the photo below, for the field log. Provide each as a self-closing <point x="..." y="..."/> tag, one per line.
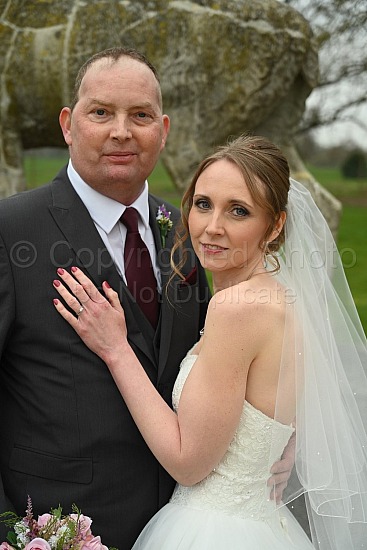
<point x="323" y="375"/>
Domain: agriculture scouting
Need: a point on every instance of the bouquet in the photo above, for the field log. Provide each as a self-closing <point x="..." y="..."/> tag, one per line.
<point x="51" y="531"/>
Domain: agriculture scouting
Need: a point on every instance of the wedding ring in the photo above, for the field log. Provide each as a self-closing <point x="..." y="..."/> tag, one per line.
<point x="81" y="309"/>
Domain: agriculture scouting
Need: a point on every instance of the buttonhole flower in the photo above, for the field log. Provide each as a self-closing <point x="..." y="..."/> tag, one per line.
<point x="164" y="223"/>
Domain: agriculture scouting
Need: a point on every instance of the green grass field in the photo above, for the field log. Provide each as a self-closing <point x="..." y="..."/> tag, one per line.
<point x="352" y="236"/>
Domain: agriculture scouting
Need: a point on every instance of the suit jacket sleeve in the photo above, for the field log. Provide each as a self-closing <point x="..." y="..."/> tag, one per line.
<point x="7" y="312"/>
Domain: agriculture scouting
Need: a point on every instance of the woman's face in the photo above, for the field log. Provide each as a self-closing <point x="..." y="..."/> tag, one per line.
<point x="226" y="225"/>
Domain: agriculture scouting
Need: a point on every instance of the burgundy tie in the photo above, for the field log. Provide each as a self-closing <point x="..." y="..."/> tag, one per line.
<point x="138" y="268"/>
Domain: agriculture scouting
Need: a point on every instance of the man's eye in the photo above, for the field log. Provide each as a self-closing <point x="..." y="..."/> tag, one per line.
<point x="100" y="112"/>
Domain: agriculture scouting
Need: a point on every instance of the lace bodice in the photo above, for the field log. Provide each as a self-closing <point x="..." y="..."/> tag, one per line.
<point x="237" y="485"/>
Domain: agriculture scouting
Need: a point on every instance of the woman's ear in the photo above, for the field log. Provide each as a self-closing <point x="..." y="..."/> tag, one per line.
<point x="278" y="226"/>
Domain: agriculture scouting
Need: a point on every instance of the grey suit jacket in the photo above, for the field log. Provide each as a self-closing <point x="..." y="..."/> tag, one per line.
<point x="65" y="433"/>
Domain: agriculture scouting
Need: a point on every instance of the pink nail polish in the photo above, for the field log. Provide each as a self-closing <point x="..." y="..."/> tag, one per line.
<point x="106" y="284"/>
<point x="60" y="271"/>
<point x="74" y="269"/>
<point x="55" y="302"/>
<point x="56" y="282"/>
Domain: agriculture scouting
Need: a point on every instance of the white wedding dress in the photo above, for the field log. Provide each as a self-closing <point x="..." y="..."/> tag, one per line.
<point x="230" y="509"/>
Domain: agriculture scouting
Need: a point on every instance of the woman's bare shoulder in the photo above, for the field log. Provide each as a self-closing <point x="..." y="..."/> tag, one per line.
<point x="249" y="298"/>
<point x="246" y="313"/>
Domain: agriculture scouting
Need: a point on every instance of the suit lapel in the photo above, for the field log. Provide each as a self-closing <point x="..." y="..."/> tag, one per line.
<point x="75" y="223"/>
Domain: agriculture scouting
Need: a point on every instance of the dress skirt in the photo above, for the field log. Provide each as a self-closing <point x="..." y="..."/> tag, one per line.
<point x="178" y="527"/>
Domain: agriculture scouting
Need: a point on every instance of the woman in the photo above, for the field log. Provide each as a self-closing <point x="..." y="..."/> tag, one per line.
<point x="279" y="330"/>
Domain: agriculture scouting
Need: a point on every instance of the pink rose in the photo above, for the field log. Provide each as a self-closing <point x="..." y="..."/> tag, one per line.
<point x="38" y="544"/>
<point x="84" y="524"/>
<point x="42" y="520"/>
<point x="93" y="543"/>
<point x="5" y="546"/>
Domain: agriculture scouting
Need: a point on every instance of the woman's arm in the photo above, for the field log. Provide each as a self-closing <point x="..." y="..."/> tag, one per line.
<point x="190" y="444"/>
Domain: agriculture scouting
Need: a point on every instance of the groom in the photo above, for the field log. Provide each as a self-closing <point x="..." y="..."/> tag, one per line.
<point x="66" y="435"/>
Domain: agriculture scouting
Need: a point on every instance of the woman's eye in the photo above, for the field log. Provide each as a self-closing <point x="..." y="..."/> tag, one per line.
<point x="240" y="211"/>
<point x="202" y="204"/>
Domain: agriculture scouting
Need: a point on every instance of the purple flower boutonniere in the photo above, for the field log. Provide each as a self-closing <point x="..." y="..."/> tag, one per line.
<point x="164" y="223"/>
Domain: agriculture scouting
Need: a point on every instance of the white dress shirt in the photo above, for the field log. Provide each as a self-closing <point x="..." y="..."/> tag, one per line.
<point x="106" y="213"/>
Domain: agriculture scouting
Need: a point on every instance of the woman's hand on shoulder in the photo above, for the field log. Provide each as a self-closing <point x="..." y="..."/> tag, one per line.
<point x="98" y="320"/>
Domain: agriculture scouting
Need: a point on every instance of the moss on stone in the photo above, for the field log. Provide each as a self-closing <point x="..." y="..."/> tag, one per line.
<point x="40" y="14"/>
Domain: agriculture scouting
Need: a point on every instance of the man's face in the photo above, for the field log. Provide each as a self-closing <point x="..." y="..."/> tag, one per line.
<point x="116" y="130"/>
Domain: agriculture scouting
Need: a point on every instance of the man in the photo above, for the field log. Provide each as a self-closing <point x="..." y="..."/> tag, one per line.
<point x="66" y="435"/>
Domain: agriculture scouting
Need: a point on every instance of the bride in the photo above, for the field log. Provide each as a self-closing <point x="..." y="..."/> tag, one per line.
<point x="282" y="353"/>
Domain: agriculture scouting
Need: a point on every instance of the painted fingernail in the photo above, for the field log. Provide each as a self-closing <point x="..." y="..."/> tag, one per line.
<point x="56" y="282"/>
<point x="74" y="269"/>
<point x="55" y="302"/>
<point x="106" y="284"/>
<point x="60" y="271"/>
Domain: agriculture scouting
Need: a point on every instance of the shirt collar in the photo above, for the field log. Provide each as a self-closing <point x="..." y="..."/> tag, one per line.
<point x="105" y="211"/>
